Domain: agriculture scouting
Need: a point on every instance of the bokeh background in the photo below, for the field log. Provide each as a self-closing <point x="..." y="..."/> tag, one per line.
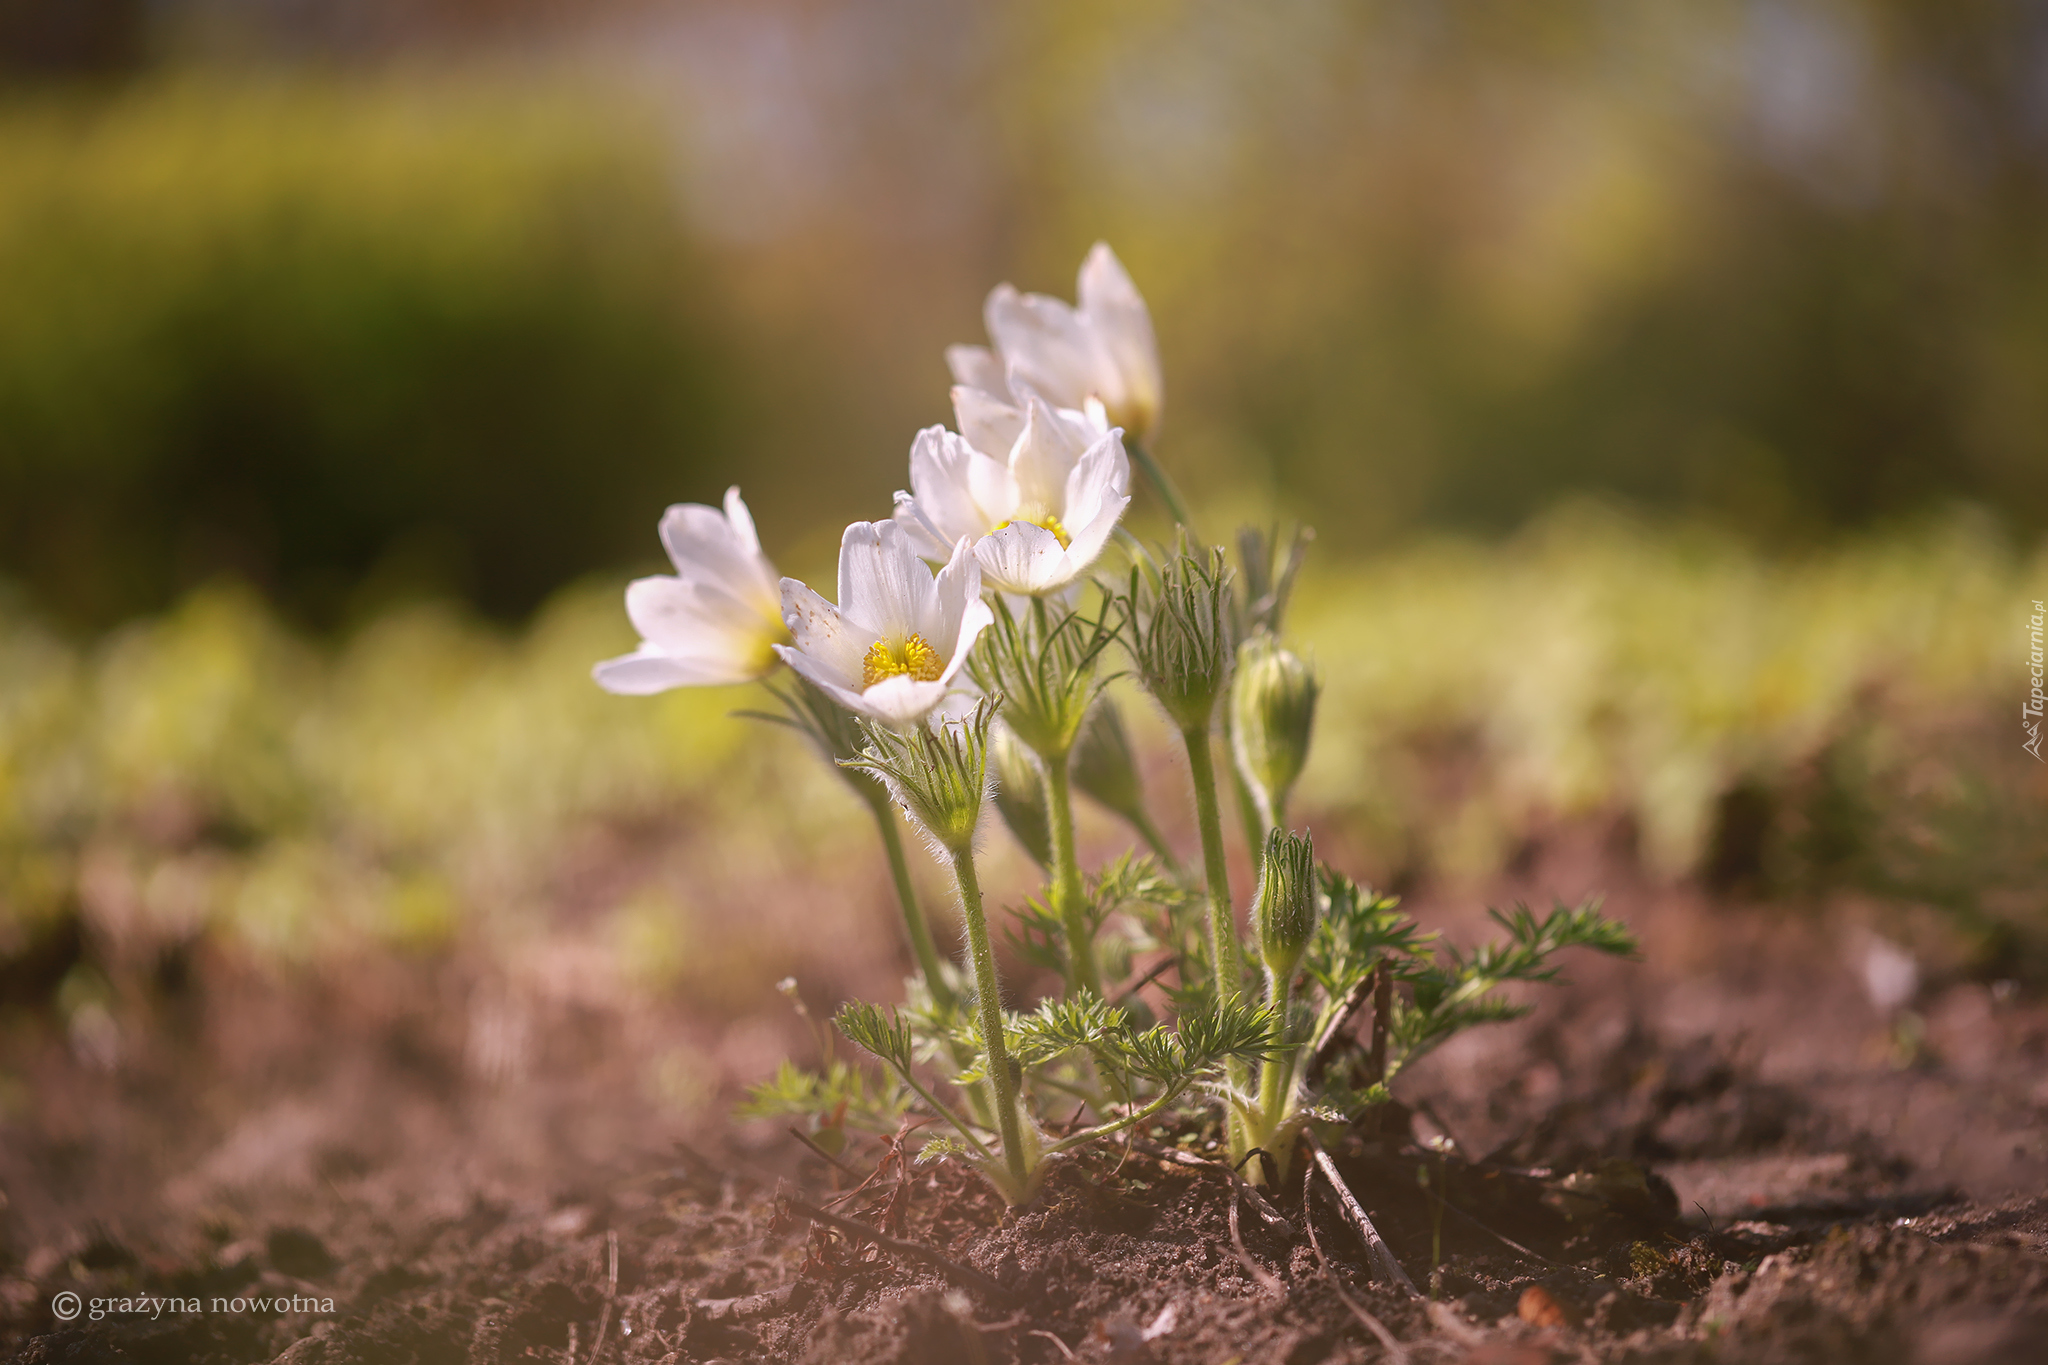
<point x="1667" y="386"/>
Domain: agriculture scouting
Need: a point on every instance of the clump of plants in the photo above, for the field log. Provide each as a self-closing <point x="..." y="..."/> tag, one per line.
<point x="966" y="658"/>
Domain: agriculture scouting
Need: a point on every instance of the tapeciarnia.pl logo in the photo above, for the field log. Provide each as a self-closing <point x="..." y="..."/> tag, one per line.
<point x="2030" y="710"/>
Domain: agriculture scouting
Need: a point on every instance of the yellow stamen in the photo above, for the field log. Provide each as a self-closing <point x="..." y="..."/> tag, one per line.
<point x="1051" y="523"/>
<point x="914" y="656"/>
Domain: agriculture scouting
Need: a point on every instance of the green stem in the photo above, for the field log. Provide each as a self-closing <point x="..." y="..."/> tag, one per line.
<point x="1250" y="811"/>
<point x="960" y="1125"/>
<point x="1256" y="820"/>
<point x="1279" y="1068"/>
<point x="1162" y="483"/>
<point x="1068" y="901"/>
<point x="1165" y="1097"/>
<point x="1222" y="919"/>
<point x="915" y="926"/>
<point x="988" y="995"/>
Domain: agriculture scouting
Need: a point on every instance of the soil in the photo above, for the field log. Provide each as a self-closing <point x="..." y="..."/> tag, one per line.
<point x="1724" y="1152"/>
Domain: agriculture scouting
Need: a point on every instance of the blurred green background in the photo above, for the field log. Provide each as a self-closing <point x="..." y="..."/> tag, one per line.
<point x="1668" y="385"/>
<point x="348" y="301"/>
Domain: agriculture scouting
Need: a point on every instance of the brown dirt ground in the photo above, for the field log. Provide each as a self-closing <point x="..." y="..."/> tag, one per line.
<point x="1832" y="1184"/>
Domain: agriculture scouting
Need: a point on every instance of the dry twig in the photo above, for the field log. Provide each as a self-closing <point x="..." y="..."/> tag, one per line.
<point x="818" y="1151"/>
<point x="1065" y="1350"/>
<point x="1354" y="1212"/>
<point x="611" y="1292"/>
<point x="1332" y="1037"/>
<point x="1396" y="1352"/>
<point x="1265" y="1278"/>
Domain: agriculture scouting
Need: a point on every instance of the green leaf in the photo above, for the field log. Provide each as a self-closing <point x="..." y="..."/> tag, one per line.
<point x="885" y="1035"/>
<point x="1359" y="929"/>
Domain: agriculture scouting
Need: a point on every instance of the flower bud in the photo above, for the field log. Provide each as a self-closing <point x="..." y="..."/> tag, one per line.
<point x="937" y="771"/>
<point x="1020" y="795"/>
<point x="1180" y="635"/>
<point x="1272" y="710"/>
<point x="1104" y="766"/>
<point x="1284" y="916"/>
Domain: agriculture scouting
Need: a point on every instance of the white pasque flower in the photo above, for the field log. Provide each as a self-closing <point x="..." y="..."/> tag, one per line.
<point x="715" y="620"/>
<point x="892" y="647"/>
<point x="1101" y="352"/>
<point x="1038" y="511"/>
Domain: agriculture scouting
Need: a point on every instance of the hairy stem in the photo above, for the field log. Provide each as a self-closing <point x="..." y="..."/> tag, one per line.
<point x="1222" y="919"/>
<point x="1002" y="1078"/>
<point x="1068" y="901"/>
<point x="1137" y="1116"/>
<point x="1278" y="1071"/>
<point x="960" y="1125"/>
<point x="915" y="926"/>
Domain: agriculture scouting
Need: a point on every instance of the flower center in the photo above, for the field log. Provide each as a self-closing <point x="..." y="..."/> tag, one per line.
<point x="1050" y="523"/>
<point x="915" y="657"/>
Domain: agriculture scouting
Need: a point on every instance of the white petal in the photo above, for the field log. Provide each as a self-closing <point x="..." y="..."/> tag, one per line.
<point x="647" y="671"/>
<point x="680" y="617"/>
<point x="1117" y="315"/>
<point x="823" y="676"/>
<point x="822" y="635"/>
<point x="1050" y="350"/>
<point x="899" y="701"/>
<point x="990" y="423"/>
<point x="882" y="583"/>
<point x="741" y="520"/>
<point x="707" y="547"/>
<point x="1044" y="456"/>
<point x="957" y="607"/>
<point x="978" y="368"/>
<point x="1023" y="558"/>
<point x="1086" y="539"/>
<point x="925" y="538"/>
<point x="1101" y="475"/>
<point x="961" y="491"/>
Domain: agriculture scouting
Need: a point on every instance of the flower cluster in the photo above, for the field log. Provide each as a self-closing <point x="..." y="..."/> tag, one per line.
<point x="968" y="652"/>
<point x="1021" y="499"/>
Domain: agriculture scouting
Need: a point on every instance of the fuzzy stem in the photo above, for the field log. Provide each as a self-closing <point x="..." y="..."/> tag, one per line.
<point x="988" y="995"/>
<point x="1067" y="897"/>
<point x="1136" y="1116"/>
<point x="959" y="1124"/>
<point x="1279" y="1068"/>
<point x="915" y="927"/>
<point x="1222" y="919"/>
<point x="1162" y="483"/>
<point x="1250" y="810"/>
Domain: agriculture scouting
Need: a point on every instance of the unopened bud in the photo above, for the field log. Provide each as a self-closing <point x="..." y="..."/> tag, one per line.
<point x="1180" y="638"/>
<point x="1284" y="916"/>
<point x="1272" y="711"/>
<point x="937" y="772"/>
<point x="1020" y="795"/>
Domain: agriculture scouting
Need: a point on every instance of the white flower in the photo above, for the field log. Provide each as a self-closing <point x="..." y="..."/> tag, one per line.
<point x="716" y="620"/>
<point x="1102" y="352"/>
<point x="1038" y="512"/>
<point x="891" y="648"/>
